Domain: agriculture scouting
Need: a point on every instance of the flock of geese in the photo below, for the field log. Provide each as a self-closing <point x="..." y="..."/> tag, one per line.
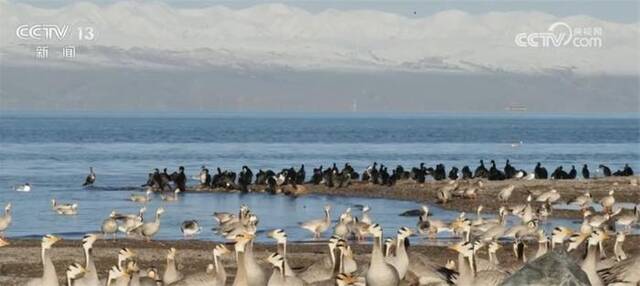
<point x="391" y="261"/>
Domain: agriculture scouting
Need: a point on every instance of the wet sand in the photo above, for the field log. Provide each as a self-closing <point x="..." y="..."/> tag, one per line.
<point x="21" y="260"/>
<point x="627" y="191"/>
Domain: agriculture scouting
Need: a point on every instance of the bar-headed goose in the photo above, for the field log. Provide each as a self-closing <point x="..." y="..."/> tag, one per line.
<point x="171" y="273"/>
<point x="279" y="276"/>
<point x="624" y="272"/>
<point x="380" y="273"/>
<point x="318" y="226"/>
<point x="110" y="225"/>
<point x="589" y="264"/>
<point x="400" y="261"/>
<point x="74" y="272"/>
<point x="281" y="241"/>
<point x="628" y="220"/>
<point x="322" y="269"/>
<point x="171" y="197"/>
<point x="130" y="222"/>
<point x="49" y="277"/>
<point x="214" y="275"/>
<point x="118" y="277"/>
<point x="143" y="199"/>
<point x="90" y="276"/>
<point x="607" y="202"/>
<point x="65" y="208"/>
<point x="350" y="280"/>
<point x="3" y="242"/>
<point x="150" y="229"/>
<point x="5" y="220"/>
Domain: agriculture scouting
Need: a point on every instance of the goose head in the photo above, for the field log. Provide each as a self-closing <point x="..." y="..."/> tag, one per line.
<point x="7" y="208"/>
<point x="344" y="279"/>
<point x="375" y="230"/>
<point x="116" y="272"/>
<point x="333" y="242"/>
<point x="327" y="208"/>
<point x="125" y="254"/>
<point x="220" y="250"/>
<point x="75" y="271"/>
<point x="53" y="203"/>
<point x="404" y="232"/>
<point x="159" y="211"/>
<point x="88" y="240"/>
<point x="425" y="210"/>
<point x="171" y="254"/>
<point x="596" y="237"/>
<point x="494" y="246"/>
<point x="279" y="235"/>
<point x="276" y="260"/>
<point x="3" y="242"/>
<point x="620" y="236"/>
<point x="366" y="209"/>
<point x="49" y="240"/>
<point x="241" y="241"/>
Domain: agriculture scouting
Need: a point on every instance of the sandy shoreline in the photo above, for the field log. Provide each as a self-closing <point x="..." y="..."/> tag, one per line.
<point x="426" y="193"/>
<point x="21" y="260"/>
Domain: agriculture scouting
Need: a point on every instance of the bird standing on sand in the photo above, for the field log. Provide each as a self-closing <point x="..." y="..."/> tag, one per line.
<point x="91" y="178"/>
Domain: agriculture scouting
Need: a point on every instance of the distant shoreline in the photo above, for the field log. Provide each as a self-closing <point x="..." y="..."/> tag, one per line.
<point x="426" y="193"/>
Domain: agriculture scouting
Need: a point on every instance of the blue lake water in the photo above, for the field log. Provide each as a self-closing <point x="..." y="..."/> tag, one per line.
<point x="53" y="153"/>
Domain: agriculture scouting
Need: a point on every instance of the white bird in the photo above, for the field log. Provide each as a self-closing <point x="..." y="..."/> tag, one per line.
<point x="26" y="187"/>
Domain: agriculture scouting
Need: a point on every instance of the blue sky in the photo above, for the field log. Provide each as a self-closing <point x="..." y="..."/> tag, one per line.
<point x="616" y="10"/>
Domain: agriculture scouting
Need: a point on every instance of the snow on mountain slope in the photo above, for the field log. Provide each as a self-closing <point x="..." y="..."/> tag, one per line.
<point x="156" y="35"/>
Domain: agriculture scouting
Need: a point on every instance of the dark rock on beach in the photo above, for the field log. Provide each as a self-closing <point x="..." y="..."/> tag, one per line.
<point x="553" y="268"/>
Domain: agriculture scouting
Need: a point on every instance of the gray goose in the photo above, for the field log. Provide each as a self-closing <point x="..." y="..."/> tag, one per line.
<point x="380" y="273"/>
<point x="49" y="277"/>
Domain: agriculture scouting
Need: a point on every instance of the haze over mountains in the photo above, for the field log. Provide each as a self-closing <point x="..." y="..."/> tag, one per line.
<point x="275" y="57"/>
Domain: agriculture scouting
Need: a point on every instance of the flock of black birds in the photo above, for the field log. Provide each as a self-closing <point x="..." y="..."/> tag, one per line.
<point x="376" y="174"/>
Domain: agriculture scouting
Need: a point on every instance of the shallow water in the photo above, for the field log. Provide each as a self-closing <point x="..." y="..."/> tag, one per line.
<point x="53" y="153"/>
